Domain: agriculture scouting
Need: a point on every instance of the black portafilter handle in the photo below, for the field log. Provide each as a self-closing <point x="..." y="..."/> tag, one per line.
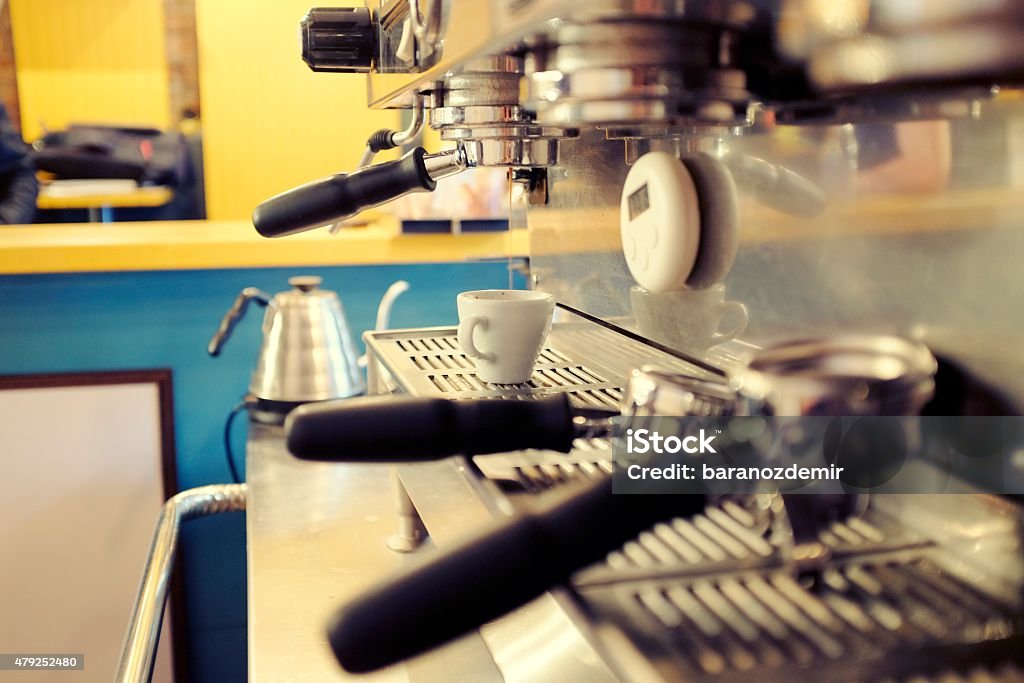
<point x="343" y="195"/>
<point x="504" y="566"/>
<point x="406" y="429"/>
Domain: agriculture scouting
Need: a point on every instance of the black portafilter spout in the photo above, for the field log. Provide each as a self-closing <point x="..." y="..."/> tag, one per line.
<point x="342" y="196"/>
<point x="502" y="567"/>
<point x="406" y="429"/>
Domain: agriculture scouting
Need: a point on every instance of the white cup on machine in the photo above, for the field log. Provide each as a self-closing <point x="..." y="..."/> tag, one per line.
<point x="503" y="330"/>
<point x="689" y="319"/>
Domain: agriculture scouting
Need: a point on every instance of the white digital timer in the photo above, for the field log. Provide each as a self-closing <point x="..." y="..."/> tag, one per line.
<point x="660" y="222"/>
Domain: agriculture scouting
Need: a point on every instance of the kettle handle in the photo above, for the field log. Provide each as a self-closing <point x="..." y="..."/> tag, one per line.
<point x="233" y="315"/>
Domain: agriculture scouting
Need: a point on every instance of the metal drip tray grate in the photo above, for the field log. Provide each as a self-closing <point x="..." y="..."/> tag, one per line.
<point x="854" y="612"/>
<point x="590" y="363"/>
<point x="432" y="364"/>
<point x="733" y="535"/>
<point x="713" y="596"/>
<point x="537" y="471"/>
<point x="536" y="478"/>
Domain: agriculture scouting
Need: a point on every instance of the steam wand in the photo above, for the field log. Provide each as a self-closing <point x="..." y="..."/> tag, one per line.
<point x="389" y="139"/>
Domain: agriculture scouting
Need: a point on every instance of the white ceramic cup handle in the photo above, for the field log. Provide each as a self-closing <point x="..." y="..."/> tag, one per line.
<point x="742" y="318"/>
<point x="466" y="328"/>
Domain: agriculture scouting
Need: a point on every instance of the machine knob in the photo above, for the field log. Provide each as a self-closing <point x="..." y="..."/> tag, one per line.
<point x="339" y="39"/>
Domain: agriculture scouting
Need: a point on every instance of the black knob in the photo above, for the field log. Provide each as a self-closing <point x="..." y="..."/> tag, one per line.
<point x="340" y="39"/>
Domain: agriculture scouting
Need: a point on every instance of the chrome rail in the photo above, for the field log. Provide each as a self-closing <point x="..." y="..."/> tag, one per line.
<point x="137" y="655"/>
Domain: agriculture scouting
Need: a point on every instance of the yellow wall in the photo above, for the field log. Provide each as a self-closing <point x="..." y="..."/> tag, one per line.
<point x="90" y="61"/>
<point x="269" y="123"/>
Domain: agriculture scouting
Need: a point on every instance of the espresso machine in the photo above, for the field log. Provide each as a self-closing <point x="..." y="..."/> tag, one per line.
<point x="703" y="183"/>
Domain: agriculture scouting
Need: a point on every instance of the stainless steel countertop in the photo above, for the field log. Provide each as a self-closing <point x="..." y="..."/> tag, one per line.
<point x="315" y="537"/>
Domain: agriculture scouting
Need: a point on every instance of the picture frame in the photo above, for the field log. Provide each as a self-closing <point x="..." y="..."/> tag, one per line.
<point x="100" y="443"/>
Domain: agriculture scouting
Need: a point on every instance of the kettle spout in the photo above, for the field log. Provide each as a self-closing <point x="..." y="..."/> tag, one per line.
<point x="384" y="310"/>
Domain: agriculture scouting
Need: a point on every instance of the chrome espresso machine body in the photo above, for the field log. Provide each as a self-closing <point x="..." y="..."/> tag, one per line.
<point x="858" y="167"/>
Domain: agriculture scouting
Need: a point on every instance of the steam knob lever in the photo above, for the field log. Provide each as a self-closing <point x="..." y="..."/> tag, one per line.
<point x="338" y="39"/>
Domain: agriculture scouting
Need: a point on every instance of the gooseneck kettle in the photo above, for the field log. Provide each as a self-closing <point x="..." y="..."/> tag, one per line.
<point x="308" y="353"/>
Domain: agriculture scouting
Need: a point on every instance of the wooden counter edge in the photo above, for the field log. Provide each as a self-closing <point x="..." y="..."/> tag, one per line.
<point x="211" y="246"/>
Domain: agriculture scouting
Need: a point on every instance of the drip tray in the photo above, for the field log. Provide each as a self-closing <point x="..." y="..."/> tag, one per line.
<point x="713" y="598"/>
<point x="864" y="620"/>
<point x="591" y="363"/>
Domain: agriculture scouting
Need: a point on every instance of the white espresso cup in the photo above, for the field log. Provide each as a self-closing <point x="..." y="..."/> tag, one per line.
<point x="690" y="319"/>
<point x="503" y="330"/>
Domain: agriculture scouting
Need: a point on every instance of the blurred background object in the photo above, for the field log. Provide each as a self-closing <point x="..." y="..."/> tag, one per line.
<point x="256" y="122"/>
<point x="18" y="186"/>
